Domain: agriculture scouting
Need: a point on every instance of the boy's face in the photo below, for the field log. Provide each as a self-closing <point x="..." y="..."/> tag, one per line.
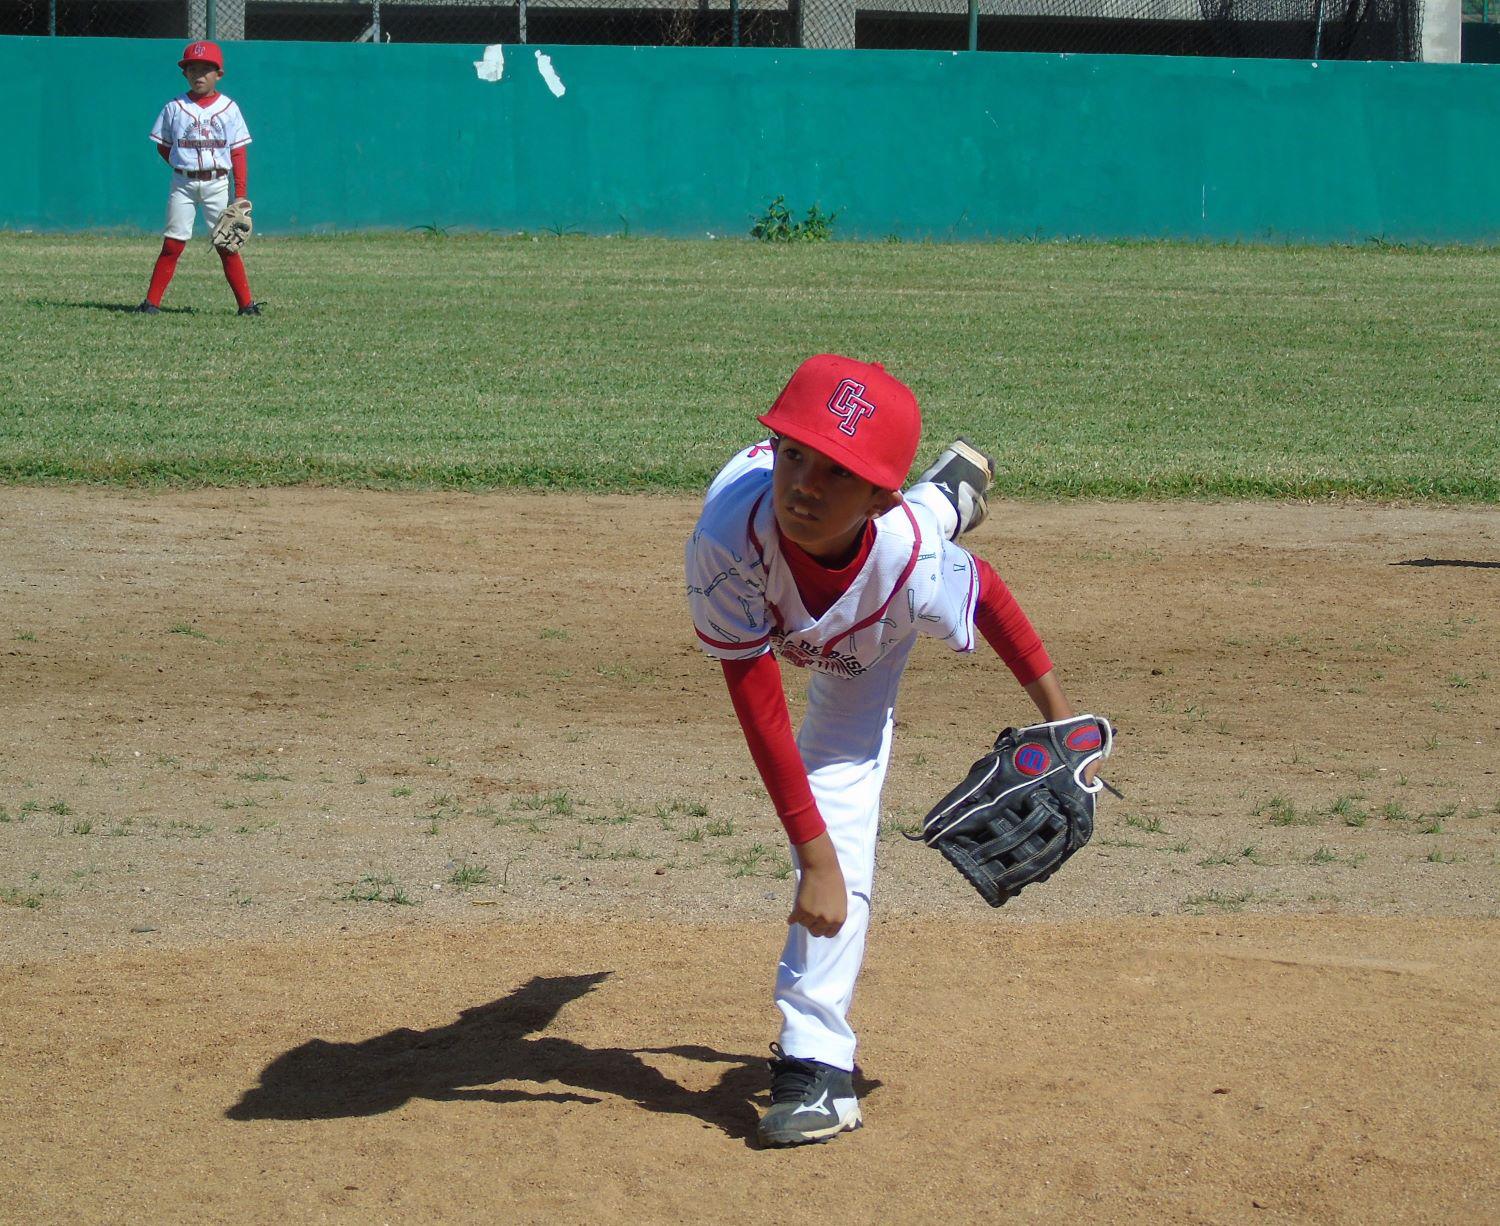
<point x="202" y="77"/>
<point x="820" y="504"/>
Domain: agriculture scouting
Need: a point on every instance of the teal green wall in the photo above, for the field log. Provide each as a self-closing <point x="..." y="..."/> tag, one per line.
<point x="695" y="141"/>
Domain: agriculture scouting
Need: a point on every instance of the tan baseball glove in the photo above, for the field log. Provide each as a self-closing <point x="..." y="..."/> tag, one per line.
<point x="233" y="226"/>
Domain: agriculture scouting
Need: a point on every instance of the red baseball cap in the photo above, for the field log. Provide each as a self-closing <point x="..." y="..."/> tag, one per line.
<point x="203" y="52"/>
<point x="854" y="413"/>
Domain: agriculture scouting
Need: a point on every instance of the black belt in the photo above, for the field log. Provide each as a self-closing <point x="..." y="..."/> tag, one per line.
<point x="203" y="174"/>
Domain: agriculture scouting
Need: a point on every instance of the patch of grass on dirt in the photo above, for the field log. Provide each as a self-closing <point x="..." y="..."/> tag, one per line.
<point x="1279" y="811"/>
<point x="466" y="876"/>
<point x="553" y="804"/>
<point x="377" y="888"/>
<point x="1128" y="367"/>
<point x="1218" y="900"/>
<point x="11" y="896"/>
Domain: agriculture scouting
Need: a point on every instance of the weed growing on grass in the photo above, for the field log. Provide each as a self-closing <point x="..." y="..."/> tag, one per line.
<point x="1434" y="826"/>
<point x="1394" y="811"/>
<point x="261" y="775"/>
<point x="187" y="630"/>
<point x="775" y="225"/>
<point x="82" y="826"/>
<point x="244" y="802"/>
<point x="377" y="888"/>
<point x="1323" y="856"/>
<point x="1121" y="843"/>
<point x="1438" y="856"/>
<point x="400" y="790"/>
<point x="721" y="828"/>
<point x="61" y="808"/>
<point x="25" y="636"/>
<point x="692" y="835"/>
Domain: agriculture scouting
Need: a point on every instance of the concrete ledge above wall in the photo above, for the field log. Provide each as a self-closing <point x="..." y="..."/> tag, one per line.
<point x="676" y="141"/>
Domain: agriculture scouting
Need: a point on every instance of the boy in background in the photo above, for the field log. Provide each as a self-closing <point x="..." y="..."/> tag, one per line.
<point x="202" y="136"/>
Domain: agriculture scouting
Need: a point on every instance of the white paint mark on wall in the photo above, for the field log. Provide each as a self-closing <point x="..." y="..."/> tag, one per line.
<point x="549" y="75"/>
<point x="492" y="67"/>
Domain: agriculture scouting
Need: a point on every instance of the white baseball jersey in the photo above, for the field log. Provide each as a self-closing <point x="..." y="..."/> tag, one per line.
<point x="200" y="137"/>
<point x="745" y="602"/>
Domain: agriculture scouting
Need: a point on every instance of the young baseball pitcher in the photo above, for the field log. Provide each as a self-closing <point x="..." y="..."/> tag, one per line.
<point x="806" y="548"/>
<point x="202" y="136"/>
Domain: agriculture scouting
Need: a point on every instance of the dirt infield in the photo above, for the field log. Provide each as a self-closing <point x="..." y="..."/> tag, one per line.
<point x="389" y="856"/>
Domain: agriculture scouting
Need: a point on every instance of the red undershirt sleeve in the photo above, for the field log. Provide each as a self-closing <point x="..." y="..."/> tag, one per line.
<point x="166" y="153"/>
<point x="239" y="162"/>
<point x="760" y="704"/>
<point x="1007" y="629"/>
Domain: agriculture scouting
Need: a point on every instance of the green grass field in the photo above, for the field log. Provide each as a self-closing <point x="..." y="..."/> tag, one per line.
<point x="477" y="362"/>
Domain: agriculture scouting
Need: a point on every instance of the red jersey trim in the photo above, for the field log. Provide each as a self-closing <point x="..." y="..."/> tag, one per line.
<point x="911" y="565"/>
<point x="760" y="550"/>
<point x="760" y="642"/>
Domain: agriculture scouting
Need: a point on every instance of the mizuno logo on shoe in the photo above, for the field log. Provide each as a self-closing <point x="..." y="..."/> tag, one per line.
<point x="820" y="1105"/>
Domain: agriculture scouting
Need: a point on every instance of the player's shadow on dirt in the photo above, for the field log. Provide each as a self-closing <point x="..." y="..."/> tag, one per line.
<point x="1449" y="562"/>
<point x="119" y="308"/>
<point x="493" y="1043"/>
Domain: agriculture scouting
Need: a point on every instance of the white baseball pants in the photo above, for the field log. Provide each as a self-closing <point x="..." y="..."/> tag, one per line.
<point x="187" y="197"/>
<point x="845" y="741"/>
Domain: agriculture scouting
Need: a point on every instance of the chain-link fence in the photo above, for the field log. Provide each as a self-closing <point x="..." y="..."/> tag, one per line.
<point x="1294" y="29"/>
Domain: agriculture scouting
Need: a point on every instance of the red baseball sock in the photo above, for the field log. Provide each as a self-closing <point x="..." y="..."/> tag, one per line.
<point x="234" y="273"/>
<point x="166" y="265"/>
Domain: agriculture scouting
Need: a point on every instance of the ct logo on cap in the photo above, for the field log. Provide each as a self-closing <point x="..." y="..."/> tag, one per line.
<point x="848" y="401"/>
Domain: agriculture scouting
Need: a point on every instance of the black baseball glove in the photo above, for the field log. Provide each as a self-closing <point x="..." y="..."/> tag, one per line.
<point x="1024" y="807"/>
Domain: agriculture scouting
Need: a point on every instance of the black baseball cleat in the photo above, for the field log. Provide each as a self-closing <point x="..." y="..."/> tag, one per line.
<point x="811" y="1102"/>
<point x="964" y="474"/>
<point x="146" y="308"/>
<point x="252" y="309"/>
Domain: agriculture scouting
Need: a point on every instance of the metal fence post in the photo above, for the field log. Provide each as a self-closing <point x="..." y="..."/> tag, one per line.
<point x="52" y="18"/>
<point x="734" y="23"/>
<point x="211" y="20"/>
<point x="973" y="25"/>
<point x="521" y="20"/>
<point x="1318" y="35"/>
